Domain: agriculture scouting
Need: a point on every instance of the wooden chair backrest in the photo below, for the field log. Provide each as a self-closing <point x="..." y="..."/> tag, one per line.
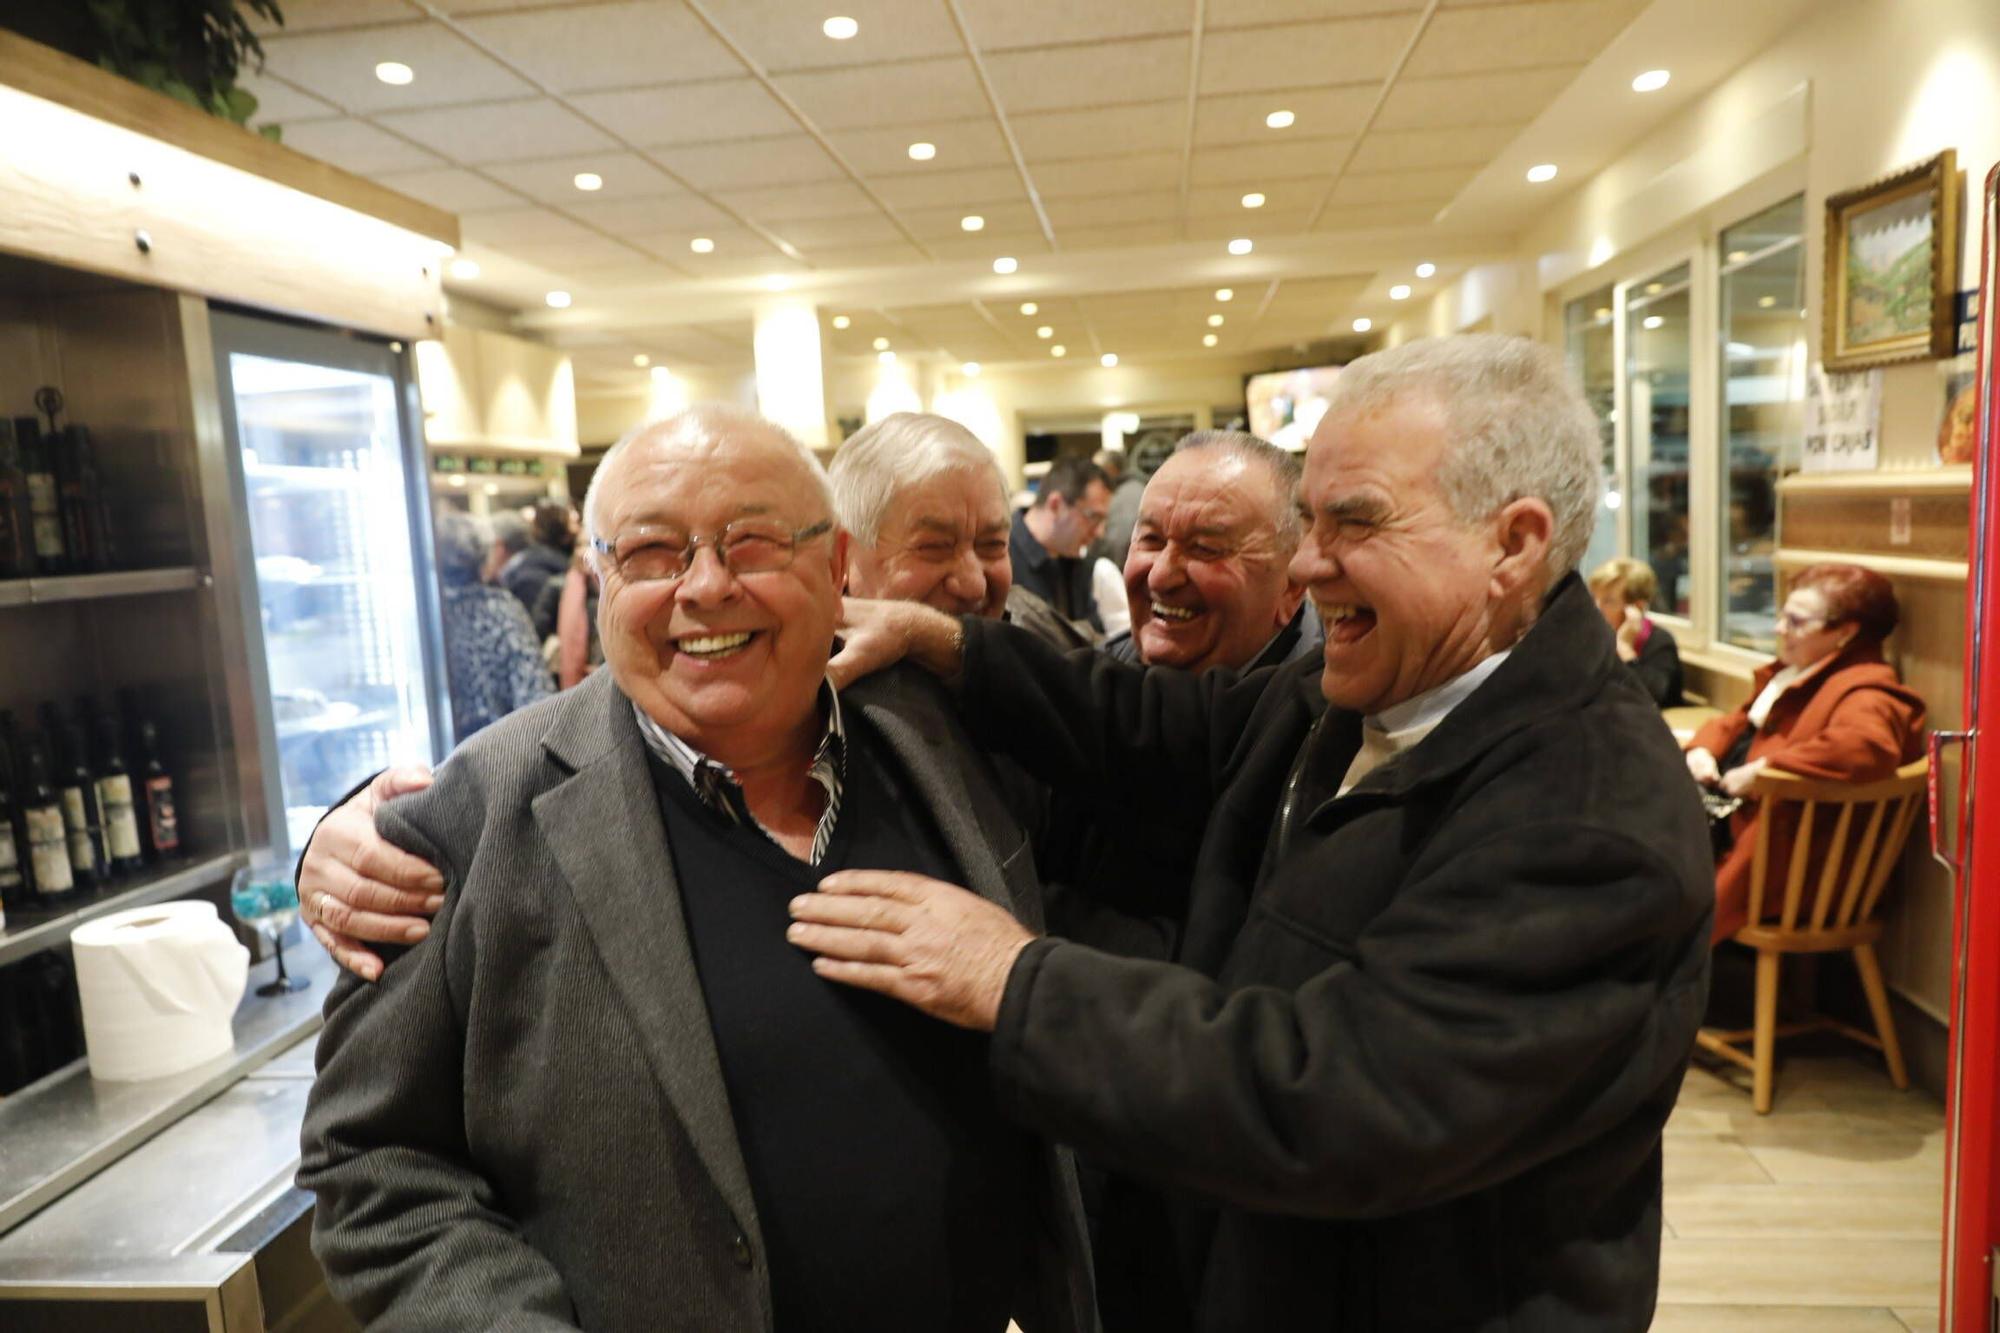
<point x="1884" y="811"/>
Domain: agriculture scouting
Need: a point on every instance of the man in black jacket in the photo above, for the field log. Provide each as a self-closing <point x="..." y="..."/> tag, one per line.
<point x="1446" y="951"/>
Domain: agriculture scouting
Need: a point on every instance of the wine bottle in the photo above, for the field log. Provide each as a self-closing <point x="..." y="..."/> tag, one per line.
<point x="48" y="845"/>
<point x="114" y="796"/>
<point x="161" y="826"/>
<point x="77" y="485"/>
<point x="13" y="871"/>
<point x="17" y="547"/>
<point x="81" y="817"/>
<point x="44" y="500"/>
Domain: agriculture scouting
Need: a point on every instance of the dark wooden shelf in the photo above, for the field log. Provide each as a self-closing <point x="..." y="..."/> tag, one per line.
<point x="91" y="587"/>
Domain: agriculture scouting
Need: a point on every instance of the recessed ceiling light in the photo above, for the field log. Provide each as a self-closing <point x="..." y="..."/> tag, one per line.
<point x="1108" y="360"/>
<point x="886" y="358"/>
<point x="1253" y="200"/>
<point x="394" y="72"/>
<point x="1006" y="264"/>
<point x="881" y="344"/>
<point x="970" y="368"/>
<point x="1544" y="172"/>
<point x="1208" y="340"/>
<point x="1363" y="324"/>
<point x="1225" y="293"/>
<point x="1241" y="246"/>
<point x="1215" y="321"/>
<point x="557" y="300"/>
<point x="642" y="360"/>
<point x="1602" y="312"/>
<point x="1655" y="288"/>
<point x="1653" y="321"/>
<point x="840" y="27"/>
<point x="1737" y="256"/>
<point x="1045" y="332"/>
<point x="1059" y="350"/>
<point x="457" y="479"/>
<point x="841" y="321"/>
<point x="1766" y="302"/>
<point x="922" y="152"/>
<point x="1427" y="269"/>
<point x="1651" y="81"/>
<point x="589" y="180"/>
<point x="1280" y="120"/>
<point x="465" y="269"/>
<point x="701" y="245"/>
<point x="777" y="282"/>
<point x="1400" y="292"/>
<point x="1029" y="307"/>
<point x="972" y="222"/>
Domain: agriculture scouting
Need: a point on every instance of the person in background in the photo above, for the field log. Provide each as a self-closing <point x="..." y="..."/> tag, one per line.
<point x="1624" y="588"/>
<point x="1828" y="708"/>
<point x="1123" y="511"/>
<point x="510" y="538"/>
<point x="491" y="655"/>
<point x="551" y="538"/>
<point x="1048" y="541"/>
<point x="578" y="649"/>
<point x="1207" y="579"/>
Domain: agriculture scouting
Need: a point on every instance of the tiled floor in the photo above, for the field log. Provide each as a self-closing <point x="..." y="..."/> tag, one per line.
<point x="1824" y="1215"/>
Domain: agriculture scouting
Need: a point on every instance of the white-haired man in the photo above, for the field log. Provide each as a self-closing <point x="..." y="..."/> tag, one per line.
<point x="599" y="1094"/>
<point x="1446" y="951"/>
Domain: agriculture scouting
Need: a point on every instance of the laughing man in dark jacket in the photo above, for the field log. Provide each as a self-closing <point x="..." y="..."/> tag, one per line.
<point x="1446" y="951"/>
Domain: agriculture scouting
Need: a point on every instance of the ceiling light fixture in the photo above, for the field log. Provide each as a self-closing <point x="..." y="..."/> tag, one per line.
<point x="1737" y="256"/>
<point x="841" y="321"/>
<point x="642" y="360"/>
<point x="589" y="180"/>
<point x="1363" y="324"/>
<point x="1215" y="321"/>
<point x="394" y="72"/>
<point x="1427" y="270"/>
<point x="1544" y="172"/>
<point x="922" y="152"/>
<point x="1225" y="293"/>
<point x="1766" y="302"/>
<point x="557" y="300"/>
<point x="1655" y="288"/>
<point x="886" y="358"/>
<point x="1253" y="200"/>
<point x="1602" y="312"/>
<point x="840" y="27"/>
<point x="465" y="269"/>
<point x="1242" y="245"/>
<point x="1108" y="360"/>
<point x="777" y="282"/>
<point x="1005" y="264"/>
<point x="972" y="222"/>
<point x="1059" y="350"/>
<point x="1208" y="340"/>
<point x="1653" y="321"/>
<point x="1045" y="332"/>
<point x="970" y="369"/>
<point x="1651" y="81"/>
<point x="1279" y="120"/>
<point x="1029" y="307"/>
<point x="1400" y="292"/>
<point x="701" y="245"/>
<point x="881" y="344"/>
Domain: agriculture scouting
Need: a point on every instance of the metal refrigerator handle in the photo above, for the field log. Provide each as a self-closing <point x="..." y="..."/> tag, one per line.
<point x="1952" y="861"/>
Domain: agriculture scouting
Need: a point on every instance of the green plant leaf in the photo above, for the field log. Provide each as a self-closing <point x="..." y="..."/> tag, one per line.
<point x="275" y="133"/>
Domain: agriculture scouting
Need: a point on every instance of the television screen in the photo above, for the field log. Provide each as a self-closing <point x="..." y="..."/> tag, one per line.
<point x="1285" y="405"/>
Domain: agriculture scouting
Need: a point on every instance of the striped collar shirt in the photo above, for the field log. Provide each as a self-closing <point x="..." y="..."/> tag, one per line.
<point x="717" y="788"/>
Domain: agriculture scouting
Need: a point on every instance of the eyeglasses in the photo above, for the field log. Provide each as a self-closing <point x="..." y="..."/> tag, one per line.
<point x="657" y="553"/>
<point x="1793" y="621"/>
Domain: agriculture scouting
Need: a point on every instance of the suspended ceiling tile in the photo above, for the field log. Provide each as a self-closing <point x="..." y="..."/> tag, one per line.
<point x="1114" y="209"/>
<point x="1259" y="224"/>
<point x="916" y="94"/>
<point x="732" y="244"/>
<point x="1471" y="99"/>
<point x="1118" y="238"/>
<point x="784" y="203"/>
<point x="860" y="229"/>
<point x="1364" y="217"/>
<point x="452" y="188"/>
<point x="572" y="253"/>
<point x="864" y="256"/>
<point x="886" y="152"/>
<point x="1223" y="14"/>
<point x="357" y="146"/>
<point x="713" y="111"/>
<point x="1056" y="136"/>
<point x="500" y="229"/>
<point x="786" y="35"/>
<point x="553" y="180"/>
<point x="630" y="272"/>
<point x="1402" y="187"/>
<point x="1100" y="74"/>
<point x="1342" y="51"/>
<point x="985" y="248"/>
<point x="1409" y="150"/>
<point x="1097" y="175"/>
<point x="999" y="25"/>
<point x="1520" y="36"/>
<point x="339" y="67"/>
<point x="1226" y="201"/>
<point x="791" y="159"/>
<point x="278" y="103"/>
<point x="581" y="48"/>
<point x="1254" y="165"/>
<point x="947" y="189"/>
<point x="510" y="131"/>
<point x="1239" y="117"/>
<point x="640" y="217"/>
<point x="945" y="224"/>
<point x="317" y="15"/>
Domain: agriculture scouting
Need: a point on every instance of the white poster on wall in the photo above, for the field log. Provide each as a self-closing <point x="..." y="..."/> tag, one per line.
<point x="1843" y="420"/>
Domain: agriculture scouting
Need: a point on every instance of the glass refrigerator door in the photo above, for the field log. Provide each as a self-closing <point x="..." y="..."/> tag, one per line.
<point x="341" y="578"/>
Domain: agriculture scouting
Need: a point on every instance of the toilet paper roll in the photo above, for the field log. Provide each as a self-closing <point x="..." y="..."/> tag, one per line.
<point x="159" y="987"/>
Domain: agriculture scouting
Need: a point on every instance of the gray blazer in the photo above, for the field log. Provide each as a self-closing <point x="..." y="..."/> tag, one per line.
<point x="523" y="1125"/>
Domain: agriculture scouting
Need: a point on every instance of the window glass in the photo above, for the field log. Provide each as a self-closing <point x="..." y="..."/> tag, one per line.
<point x="1657" y="358"/>
<point x="1763" y="332"/>
<point x="1593" y="365"/>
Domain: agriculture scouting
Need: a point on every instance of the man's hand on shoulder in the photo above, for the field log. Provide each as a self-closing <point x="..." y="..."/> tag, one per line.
<point x="355" y="888"/>
<point x="877" y="634"/>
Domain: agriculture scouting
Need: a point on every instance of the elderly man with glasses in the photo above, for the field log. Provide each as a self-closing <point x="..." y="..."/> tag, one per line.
<point x="605" y="1092"/>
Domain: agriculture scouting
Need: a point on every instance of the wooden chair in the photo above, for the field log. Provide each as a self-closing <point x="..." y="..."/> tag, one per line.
<point x="1841" y="917"/>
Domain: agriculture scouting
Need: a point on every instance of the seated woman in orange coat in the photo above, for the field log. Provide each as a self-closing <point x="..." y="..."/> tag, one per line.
<point x="1829" y="708"/>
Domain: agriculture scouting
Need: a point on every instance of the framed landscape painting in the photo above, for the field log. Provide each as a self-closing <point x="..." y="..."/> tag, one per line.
<point x="1892" y="268"/>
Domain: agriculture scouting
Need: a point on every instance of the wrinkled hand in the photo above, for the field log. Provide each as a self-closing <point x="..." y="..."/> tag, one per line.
<point x="354" y="886"/>
<point x="1701" y="767"/>
<point x="931" y="945"/>
<point x="1628" y="633"/>
<point x="1737" y="780"/>
<point x="877" y="634"/>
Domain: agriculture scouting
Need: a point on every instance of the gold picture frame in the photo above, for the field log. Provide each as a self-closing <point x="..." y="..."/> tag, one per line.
<point x="1892" y="268"/>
